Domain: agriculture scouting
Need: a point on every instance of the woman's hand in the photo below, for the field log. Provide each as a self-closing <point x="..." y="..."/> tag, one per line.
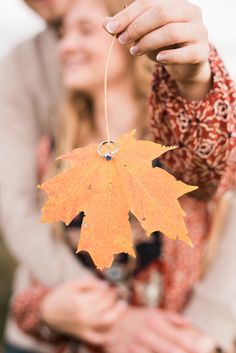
<point x="142" y="330"/>
<point x="171" y="32"/>
<point x="83" y="310"/>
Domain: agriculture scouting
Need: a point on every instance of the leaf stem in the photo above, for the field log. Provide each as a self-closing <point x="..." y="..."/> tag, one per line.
<point x="106" y="91"/>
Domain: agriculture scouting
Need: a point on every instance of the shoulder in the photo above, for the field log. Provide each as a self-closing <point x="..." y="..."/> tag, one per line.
<point x="31" y="70"/>
<point x="15" y="57"/>
<point x="30" y="84"/>
<point x="26" y="60"/>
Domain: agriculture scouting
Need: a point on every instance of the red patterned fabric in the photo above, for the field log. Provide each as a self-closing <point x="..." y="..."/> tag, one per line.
<point x="229" y="179"/>
<point x="24" y="308"/>
<point x="183" y="264"/>
<point x="205" y="133"/>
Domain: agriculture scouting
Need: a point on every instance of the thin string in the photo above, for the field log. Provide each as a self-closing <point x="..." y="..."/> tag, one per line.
<point x="106" y="90"/>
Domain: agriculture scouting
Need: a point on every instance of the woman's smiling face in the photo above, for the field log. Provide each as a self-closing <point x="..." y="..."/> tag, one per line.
<point x="84" y="47"/>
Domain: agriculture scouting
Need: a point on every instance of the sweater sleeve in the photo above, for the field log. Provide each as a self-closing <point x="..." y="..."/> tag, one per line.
<point x="25" y="309"/>
<point x="213" y="303"/>
<point x="203" y="131"/>
<point x="25" y="105"/>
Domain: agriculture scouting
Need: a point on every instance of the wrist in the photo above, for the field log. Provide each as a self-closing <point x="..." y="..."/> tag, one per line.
<point x="44" y="328"/>
<point x="42" y="311"/>
<point x="196" y="82"/>
<point x="45" y="310"/>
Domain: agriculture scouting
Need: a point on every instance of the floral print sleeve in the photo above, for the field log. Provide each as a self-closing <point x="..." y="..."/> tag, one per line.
<point x="25" y="309"/>
<point x="203" y="131"/>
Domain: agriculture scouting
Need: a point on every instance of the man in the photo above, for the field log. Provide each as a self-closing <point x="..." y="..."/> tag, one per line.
<point x="30" y="90"/>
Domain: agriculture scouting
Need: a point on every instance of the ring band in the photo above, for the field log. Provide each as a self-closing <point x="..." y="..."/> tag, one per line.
<point x="110" y="153"/>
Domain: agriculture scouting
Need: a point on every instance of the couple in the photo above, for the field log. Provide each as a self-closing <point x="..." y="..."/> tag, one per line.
<point x="61" y="302"/>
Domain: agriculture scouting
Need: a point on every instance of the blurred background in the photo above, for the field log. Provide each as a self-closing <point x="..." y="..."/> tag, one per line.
<point x="18" y="22"/>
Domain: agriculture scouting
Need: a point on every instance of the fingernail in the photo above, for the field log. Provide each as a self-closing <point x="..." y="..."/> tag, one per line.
<point x="112" y="26"/>
<point x="124" y="38"/>
<point x="134" y="50"/>
<point x="160" y="57"/>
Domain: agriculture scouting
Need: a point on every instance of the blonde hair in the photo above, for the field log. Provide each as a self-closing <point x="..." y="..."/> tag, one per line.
<point x="78" y="119"/>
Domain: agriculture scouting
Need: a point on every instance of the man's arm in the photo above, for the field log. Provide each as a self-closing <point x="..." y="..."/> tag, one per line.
<point x="30" y="241"/>
<point x="213" y="305"/>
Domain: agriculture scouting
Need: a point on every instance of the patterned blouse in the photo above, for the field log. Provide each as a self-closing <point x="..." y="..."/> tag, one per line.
<point x="205" y="133"/>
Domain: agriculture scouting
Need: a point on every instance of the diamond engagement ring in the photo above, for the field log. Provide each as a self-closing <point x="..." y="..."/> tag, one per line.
<point x="110" y="151"/>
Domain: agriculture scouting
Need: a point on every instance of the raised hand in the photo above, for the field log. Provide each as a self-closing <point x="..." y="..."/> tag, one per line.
<point x="171" y="32"/>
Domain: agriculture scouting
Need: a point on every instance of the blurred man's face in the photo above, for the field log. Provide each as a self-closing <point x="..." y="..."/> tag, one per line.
<point x="50" y="10"/>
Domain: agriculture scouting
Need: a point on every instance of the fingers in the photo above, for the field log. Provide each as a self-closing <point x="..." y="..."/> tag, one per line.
<point x="152" y="19"/>
<point x="143" y="16"/>
<point x="134" y="348"/>
<point x="181" y="337"/>
<point x="166" y="36"/>
<point x="164" y="329"/>
<point x="195" y="53"/>
<point x="151" y="26"/>
<point x="203" y="343"/>
<point x="124" y="18"/>
<point x="102" y="301"/>
<point x="177" y="319"/>
<point x="157" y="344"/>
<point x="110" y="316"/>
<point x="98" y="299"/>
<point x="95" y="338"/>
<point x="103" y="306"/>
<point x="97" y="333"/>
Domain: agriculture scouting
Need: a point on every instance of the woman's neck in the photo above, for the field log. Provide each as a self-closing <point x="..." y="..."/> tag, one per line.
<point x="123" y="109"/>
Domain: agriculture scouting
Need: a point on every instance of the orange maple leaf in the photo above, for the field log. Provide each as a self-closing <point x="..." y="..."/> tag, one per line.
<point x="106" y="191"/>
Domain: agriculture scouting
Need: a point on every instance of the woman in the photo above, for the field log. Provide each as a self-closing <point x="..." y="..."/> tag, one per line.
<point x="84" y="122"/>
<point x="175" y="121"/>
